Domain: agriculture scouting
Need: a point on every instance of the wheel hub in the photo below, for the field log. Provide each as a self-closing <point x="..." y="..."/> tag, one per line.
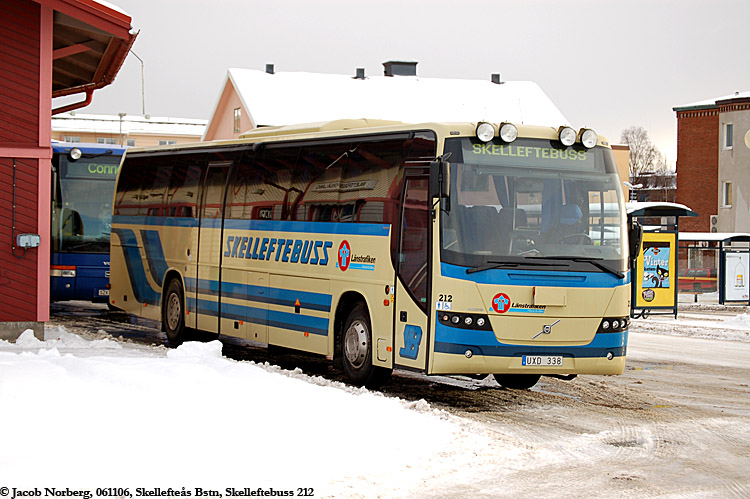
<point x="355" y="344"/>
<point x="173" y="311"/>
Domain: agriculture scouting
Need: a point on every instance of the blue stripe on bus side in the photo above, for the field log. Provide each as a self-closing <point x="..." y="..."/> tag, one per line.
<point x="343" y="228"/>
<point x="513" y="277"/>
<point x="458" y="341"/>
<point x="261" y="294"/>
<point x="154" y="255"/>
<point x="307" y="300"/>
<point x="142" y="290"/>
<point x="271" y="318"/>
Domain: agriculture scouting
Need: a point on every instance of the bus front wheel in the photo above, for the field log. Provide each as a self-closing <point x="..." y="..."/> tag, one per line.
<point x="173" y="313"/>
<point x="356" y="350"/>
<point x="517" y="381"/>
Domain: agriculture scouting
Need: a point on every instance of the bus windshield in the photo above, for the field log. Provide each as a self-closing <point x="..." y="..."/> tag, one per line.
<point x="82" y="205"/>
<point x="532" y="203"/>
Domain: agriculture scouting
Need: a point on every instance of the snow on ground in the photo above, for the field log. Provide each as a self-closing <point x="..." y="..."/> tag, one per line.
<point x="101" y="413"/>
<point x="83" y="413"/>
<point x="700" y="321"/>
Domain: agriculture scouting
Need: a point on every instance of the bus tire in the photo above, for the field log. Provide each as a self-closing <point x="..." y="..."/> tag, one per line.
<point x="517" y="381"/>
<point x="356" y="350"/>
<point x="173" y="313"/>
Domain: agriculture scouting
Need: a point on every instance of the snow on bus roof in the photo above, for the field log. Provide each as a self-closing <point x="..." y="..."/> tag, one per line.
<point x="295" y="97"/>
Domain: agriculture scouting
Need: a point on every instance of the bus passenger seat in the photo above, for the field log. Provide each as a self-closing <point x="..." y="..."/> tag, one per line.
<point x="488" y="235"/>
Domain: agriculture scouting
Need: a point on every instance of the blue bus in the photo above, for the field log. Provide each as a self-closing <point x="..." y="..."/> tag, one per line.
<point x="83" y="182"/>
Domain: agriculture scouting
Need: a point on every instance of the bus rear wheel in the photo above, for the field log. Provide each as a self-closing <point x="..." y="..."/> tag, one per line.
<point x="173" y="313"/>
<point x="517" y="381"/>
<point x="356" y="350"/>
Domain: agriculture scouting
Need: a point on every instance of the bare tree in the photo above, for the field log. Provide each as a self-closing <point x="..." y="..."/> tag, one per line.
<point x="644" y="156"/>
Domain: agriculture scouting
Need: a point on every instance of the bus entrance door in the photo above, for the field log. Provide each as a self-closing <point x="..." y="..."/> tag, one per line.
<point x="412" y="301"/>
<point x="209" y="290"/>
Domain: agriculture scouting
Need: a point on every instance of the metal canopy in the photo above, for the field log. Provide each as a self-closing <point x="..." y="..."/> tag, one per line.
<point x="656" y="209"/>
<point x="721" y="237"/>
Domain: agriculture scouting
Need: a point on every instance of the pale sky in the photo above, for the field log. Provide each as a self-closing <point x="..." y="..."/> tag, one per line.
<point x="607" y="65"/>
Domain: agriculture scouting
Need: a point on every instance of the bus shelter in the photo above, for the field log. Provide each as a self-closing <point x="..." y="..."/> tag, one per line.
<point x="653" y="280"/>
<point x="715" y="262"/>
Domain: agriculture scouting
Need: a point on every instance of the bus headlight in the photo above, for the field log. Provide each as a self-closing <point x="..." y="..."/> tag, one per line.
<point x="75" y="154"/>
<point x="567" y="135"/>
<point x="485" y="132"/>
<point x="613" y="325"/>
<point x="508" y="132"/>
<point x="589" y="138"/>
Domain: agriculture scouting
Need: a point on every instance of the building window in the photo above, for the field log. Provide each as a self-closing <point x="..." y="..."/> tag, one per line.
<point x="728" y="129"/>
<point x="167" y="142"/>
<point x="106" y="140"/>
<point x="726" y="194"/>
<point x="131" y="143"/>
<point x="76" y="140"/>
<point x="237" y="116"/>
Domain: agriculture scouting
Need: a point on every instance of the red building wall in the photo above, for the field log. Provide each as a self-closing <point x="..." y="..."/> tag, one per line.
<point x="698" y="166"/>
<point x="19" y="73"/>
<point x="25" y="55"/>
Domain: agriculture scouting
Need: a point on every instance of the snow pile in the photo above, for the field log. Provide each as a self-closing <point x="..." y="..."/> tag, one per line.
<point x="698" y="323"/>
<point x="741" y="321"/>
<point x="190" y="417"/>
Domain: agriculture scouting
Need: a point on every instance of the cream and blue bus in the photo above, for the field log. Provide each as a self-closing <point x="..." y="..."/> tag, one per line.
<point x="446" y="249"/>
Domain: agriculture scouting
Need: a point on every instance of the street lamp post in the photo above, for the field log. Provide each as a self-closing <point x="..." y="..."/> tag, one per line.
<point x="143" y="83"/>
<point x="121" y="115"/>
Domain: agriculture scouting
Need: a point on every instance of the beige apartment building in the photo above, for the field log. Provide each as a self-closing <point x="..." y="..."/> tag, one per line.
<point x="133" y="131"/>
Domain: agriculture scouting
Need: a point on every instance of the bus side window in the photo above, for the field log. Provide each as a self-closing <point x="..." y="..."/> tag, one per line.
<point x="319" y="170"/>
<point x="246" y="189"/>
<point x="277" y="165"/>
<point x="182" y="195"/>
<point x="372" y="175"/>
<point x="155" y="185"/>
<point x="127" y="199"/>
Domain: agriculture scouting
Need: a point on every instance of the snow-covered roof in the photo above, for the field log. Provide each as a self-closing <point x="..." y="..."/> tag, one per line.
<point x="657" y="209"/>
<point x="712" y="102"/>
<point x="104" y="123"/>
<point x="713" y="236"/>
<point x="293" y="97"/>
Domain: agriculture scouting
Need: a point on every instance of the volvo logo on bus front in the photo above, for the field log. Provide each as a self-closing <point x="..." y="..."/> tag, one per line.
<point x="547" y="329"/>
<point x="344" y="255"/>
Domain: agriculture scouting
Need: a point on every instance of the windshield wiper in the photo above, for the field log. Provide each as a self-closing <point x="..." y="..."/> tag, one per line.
<point x="506" y="265"/>
<point x="86" y="244"/>
<point x="584" y="259"/>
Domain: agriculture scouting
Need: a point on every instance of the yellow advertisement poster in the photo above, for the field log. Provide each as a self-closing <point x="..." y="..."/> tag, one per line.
<point x="656" y="273"/>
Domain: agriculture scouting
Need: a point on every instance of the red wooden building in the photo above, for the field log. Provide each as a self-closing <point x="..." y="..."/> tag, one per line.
<point x="48" y="48"/>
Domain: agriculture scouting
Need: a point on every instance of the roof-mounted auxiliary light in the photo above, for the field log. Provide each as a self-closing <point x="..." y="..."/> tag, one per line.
<point x="567" y="135"/>
<point x="589" y="138"/>
<point x="75" y="154"/>
<point x="508" y="132"/>
<point x="485" y="132"/>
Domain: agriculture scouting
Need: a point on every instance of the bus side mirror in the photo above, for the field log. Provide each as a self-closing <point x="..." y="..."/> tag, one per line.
<point x="440" y="186"/>
<point x="635" y="237"/>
